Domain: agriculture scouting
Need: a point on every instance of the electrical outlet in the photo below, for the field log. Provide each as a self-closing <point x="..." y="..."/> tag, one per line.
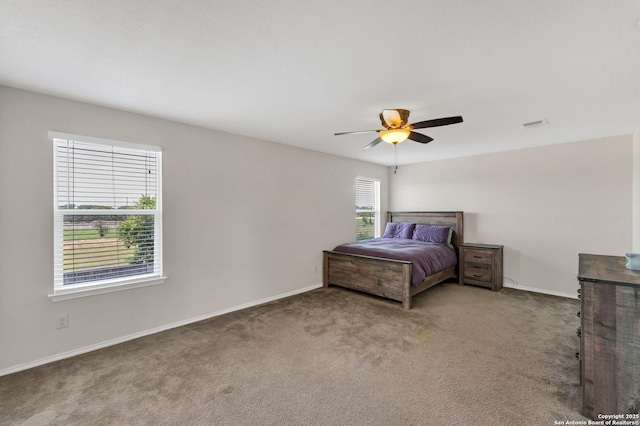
<point x="62" y="321"/>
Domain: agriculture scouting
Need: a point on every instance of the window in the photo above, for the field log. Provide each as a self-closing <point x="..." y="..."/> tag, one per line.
<point x="367" y="208"/>
<point x="107" y="215"/>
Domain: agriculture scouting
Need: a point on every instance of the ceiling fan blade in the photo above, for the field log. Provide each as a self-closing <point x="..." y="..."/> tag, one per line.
<point x="374" y="143"/>
<point x="358" y="131"/>
<point x="437" y="122"/>
<point x="418" y="137"/>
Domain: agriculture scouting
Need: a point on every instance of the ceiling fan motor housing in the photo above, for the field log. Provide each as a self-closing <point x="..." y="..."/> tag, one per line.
<point x="394" y="118"/>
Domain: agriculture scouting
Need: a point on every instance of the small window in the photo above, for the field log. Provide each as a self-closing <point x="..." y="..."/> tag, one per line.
<point x="107" y="215"/>
<point x="367" y="208"/>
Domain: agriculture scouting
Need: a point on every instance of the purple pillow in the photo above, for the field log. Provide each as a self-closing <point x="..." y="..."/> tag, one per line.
<point x="399" y="230"/>
<point x="433" y="234"/>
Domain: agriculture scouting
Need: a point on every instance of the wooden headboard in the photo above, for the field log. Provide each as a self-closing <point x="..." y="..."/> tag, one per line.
<point x="452" y="219"/>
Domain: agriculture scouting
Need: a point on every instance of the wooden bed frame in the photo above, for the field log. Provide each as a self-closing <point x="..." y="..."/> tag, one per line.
<point x="386" y="277"/>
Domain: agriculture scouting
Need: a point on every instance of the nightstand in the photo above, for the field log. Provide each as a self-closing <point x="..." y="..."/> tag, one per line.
<point x="481" y="264"/>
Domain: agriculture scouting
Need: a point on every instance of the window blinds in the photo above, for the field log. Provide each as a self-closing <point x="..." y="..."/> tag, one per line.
<point x="92" y="176"/>
<point x="367" y="217"/>
<point x="107" y="220"/>
<point x="365" y="194"/>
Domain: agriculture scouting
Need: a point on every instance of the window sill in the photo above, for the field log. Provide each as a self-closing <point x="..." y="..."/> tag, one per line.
<point x="77" y="292"/>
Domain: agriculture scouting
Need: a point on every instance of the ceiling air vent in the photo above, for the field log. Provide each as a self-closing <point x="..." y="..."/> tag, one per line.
<point x="534" y="124"/>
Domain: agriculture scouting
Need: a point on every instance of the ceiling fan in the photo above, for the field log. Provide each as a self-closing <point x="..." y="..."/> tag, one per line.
<point x="397" y="130"/>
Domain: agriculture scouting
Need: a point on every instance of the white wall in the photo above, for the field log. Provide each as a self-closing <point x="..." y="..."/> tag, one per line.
<point x="545" y="205"/>
<point x="244" y="220"/>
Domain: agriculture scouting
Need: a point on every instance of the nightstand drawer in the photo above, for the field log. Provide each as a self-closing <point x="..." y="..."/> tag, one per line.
<point x="478" y="256"/>
<point x="478" y="271"/>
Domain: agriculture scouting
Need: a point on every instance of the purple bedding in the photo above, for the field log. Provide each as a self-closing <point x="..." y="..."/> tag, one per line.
<point x="427" y="258"/>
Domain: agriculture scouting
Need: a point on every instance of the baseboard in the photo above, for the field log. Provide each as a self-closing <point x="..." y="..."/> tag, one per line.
<point x="540" y="290"/>
<point x="123" y="339"/>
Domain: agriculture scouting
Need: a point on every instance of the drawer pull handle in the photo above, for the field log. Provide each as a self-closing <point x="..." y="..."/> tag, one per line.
<point x="578" y="314"/>
<point x="477" y="267"/>
<point x="578" y="355"/>
<point x="477" y="257"/>
<point x="476" y="275"/>
<point x="579" y="331"/>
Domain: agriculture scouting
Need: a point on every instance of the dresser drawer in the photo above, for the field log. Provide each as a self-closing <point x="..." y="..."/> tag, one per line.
<point x="478" y="256"/>
<point x="478" y="272"/>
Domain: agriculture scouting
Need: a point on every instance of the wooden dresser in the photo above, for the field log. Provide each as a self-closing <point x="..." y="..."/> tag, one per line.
<point x="481" y="264"/>
<point x="609" y="336"/>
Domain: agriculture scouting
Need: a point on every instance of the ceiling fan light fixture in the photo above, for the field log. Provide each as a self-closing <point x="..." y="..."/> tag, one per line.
<point x="394" y="136"/>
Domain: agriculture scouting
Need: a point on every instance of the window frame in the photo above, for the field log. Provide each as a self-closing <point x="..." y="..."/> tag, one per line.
<point x="89" y="288"/>
<point x="376" y="206"/>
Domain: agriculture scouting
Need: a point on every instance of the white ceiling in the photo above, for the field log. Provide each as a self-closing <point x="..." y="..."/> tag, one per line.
<point x="295" y="72"/>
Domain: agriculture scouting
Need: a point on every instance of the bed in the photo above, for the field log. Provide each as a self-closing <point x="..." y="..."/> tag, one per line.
<point x="392" y="278"/>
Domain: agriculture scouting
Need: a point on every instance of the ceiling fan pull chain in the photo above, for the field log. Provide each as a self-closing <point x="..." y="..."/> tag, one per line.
<point x="395" y="157"/>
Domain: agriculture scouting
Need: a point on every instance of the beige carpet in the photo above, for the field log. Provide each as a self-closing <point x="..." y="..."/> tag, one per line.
<point x="462" y="356"/>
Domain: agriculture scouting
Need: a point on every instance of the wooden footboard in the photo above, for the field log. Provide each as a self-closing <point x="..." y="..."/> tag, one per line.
<point x="374" y="275"/>
<point x="382" y="277"/>
<point x="386" y="277"/>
